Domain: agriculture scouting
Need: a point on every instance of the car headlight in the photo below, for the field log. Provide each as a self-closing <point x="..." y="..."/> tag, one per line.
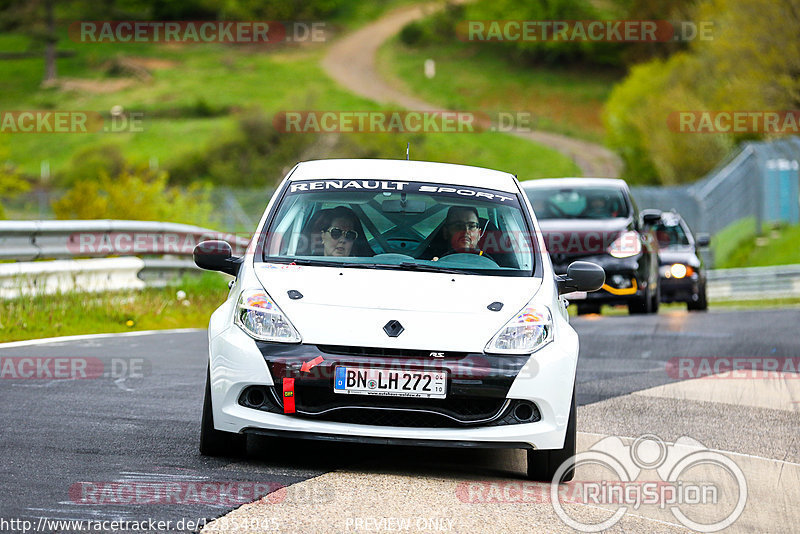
<point x="679" y="270"/>
<point x="260" y="317"/>
<point x="528" y="331"/>
<point x="626" y="245"/>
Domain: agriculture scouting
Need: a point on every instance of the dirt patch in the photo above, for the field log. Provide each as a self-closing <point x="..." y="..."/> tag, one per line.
<point x="151" y="63"/>
<point x="93" y="86"/>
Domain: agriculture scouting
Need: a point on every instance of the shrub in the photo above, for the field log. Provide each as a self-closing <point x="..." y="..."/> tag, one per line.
<point x="256" y="154"/>
<point x="90" y="162"/>
<point x="135" y="194"/>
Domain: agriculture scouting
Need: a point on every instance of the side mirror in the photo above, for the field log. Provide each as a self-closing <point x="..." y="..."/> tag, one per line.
<point x="651" y="217"/>
<point x="581" y="276"/>
<point x="216" y="256"/>
<point x="702" y="240"/>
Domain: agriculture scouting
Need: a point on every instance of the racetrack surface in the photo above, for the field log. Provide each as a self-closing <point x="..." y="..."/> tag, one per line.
<point x="58" y="434"/>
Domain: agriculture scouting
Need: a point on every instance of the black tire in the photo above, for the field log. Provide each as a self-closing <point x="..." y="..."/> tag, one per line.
<point x="639" y="306"/>
<point x="584" y="309"/>
<point x="701" y="304"/>
<point x="656" y="300"/>
<point x="543" y="464"/>
<point x="215" y="442"/>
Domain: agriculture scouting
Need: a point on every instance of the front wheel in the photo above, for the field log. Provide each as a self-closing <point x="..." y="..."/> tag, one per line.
<point x="656" y="300"/>
<point x="585" y="309"/>
<point x="215" y="442"/>
<point x="638" y="306"/>
<point x="701" y="304"/>
<point x="543" y="464"/>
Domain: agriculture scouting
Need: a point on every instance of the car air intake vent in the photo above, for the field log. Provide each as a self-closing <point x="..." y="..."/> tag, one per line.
<point x="457" y="413"/>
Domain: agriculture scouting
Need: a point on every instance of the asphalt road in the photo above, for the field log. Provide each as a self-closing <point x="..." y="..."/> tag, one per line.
<point x="61" y="437"/>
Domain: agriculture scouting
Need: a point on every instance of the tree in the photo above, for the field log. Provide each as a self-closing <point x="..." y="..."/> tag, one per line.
<point x="752" y="63"/>
<point x="11" y="183"/>
<point x="36" y="18"/>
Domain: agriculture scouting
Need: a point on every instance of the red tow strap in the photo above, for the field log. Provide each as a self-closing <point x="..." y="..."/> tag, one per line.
<point x="288" y="395"/>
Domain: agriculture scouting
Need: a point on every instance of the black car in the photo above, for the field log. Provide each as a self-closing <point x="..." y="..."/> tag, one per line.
<point x="596" y="220"/>
<point x="682" y="271"/>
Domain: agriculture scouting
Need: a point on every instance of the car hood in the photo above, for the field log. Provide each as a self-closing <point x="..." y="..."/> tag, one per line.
<point x="581" y="236"/>
<point x="438" y="311"/>
<point x="684" y="255"/>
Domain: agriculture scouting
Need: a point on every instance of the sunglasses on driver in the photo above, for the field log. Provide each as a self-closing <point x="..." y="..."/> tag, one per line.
<point x="336" y="233"/>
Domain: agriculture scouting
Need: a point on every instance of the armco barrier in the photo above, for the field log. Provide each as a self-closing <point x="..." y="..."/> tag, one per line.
<point x="32" y="240"/>
<point x="754" y="283"/>
<point x="48" y="277"/>
<point x="26" y="240"/>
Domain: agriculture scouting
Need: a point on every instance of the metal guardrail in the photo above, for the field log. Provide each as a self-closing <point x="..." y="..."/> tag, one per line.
<point x="65" y="241"/>
<point x="33" y="240"/>
<point x="28" y="240"/>
<point x="754" y="283"/>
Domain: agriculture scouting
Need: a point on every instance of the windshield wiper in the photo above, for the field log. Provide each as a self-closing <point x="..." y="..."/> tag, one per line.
<point x="316" y="263"/>
<point x="426" y="268"/>
<point x="406" y="265"/>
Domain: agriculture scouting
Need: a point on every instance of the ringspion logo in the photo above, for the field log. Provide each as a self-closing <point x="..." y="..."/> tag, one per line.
<point x="690" y="477"/>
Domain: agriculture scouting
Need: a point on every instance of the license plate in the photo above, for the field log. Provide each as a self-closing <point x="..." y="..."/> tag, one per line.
<point x="390" y="382"/>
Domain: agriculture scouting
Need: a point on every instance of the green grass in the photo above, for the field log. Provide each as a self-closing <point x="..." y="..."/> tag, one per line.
<point x="472" y="77"/>
<point x="226" y="79"/>
<point x="120" y="311"/>
<point x="738" y="246"/>
<point x="727" y="241"/>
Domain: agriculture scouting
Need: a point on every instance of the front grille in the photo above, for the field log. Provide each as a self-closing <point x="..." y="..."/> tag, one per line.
<point x="400" y="412"/>
<point x="380" y="351"/>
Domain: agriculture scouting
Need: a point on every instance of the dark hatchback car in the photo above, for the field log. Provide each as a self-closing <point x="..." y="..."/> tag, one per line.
<point x="682" y="271"/>
<point x="596" y="220"/>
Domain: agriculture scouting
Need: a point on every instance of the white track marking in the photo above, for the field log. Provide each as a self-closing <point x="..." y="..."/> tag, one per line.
<point x="64" y="339"/>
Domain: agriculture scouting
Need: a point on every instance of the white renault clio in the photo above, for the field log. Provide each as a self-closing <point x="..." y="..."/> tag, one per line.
<point x="401" y="302"/>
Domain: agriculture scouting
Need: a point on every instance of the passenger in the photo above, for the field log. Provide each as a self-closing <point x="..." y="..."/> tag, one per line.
<point x="341" y="233"/>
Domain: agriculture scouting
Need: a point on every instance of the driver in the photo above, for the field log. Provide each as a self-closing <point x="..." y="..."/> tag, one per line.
<point x="596" y="207"/>
<point x="462" y="229"/>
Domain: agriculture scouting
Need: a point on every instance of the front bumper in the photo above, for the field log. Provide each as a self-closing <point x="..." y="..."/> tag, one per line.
<point x="544" y="380"/>
<point x="679" y="289"/>
<point x="626" y="279"/>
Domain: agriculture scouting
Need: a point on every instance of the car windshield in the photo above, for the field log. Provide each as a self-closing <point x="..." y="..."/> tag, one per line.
<point x="387" y="224"/>
<point x="577" y="202"/>
<point x="670" y="234"/>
